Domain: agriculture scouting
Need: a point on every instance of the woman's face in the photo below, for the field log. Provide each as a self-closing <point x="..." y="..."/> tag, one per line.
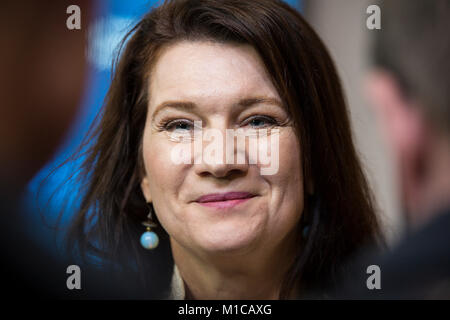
<point x="219" y="206"/>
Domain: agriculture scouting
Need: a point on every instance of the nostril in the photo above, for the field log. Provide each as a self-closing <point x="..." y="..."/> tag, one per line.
<point x="222" y="170"/>
<point x="236" y="173"/>
<point x="223" y="174"/>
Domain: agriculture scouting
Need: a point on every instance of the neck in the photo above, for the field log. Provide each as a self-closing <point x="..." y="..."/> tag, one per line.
<point x="253" y="276"/>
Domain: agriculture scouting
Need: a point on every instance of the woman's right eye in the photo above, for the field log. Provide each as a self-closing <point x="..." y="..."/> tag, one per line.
<point x="179" y="125"/>
<point x="179" y="130"/>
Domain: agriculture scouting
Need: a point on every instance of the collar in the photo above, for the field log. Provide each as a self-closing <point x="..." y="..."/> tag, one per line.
<point x="177" y="291"/>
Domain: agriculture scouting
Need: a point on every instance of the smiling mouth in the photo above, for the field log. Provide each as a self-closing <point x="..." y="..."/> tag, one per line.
<point x="224" y="200"/>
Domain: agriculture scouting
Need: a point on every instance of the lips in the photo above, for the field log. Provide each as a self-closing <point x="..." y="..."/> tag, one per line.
<point x="224" y="200"/>
<point x="219" y="197"/>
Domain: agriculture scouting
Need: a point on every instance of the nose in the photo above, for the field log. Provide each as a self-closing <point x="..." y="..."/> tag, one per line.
<point x="222" y="158"/>
<point x="221" y="170"/>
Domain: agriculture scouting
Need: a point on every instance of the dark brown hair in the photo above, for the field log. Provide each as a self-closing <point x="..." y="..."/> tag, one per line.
<point x="109" y="220"/>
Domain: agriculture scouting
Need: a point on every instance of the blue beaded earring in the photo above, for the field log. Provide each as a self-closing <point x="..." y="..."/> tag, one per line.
<point x="149" y="239"/>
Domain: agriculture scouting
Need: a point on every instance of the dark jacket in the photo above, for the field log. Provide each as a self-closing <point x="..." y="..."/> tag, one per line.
<point x="417" y="268"/>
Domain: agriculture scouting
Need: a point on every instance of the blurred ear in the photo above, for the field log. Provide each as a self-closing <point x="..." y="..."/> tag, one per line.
<point x="145" y="187"/>
<point x="400" y="120"/>
<point x="404" y="127"/>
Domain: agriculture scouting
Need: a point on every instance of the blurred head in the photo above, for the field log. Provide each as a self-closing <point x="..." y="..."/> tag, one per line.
<point x="231" y="64"/>
<point x="409" y="90"/>
<point x="43" y="70"/>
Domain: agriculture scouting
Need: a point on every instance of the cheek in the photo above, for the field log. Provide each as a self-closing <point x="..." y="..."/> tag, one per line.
<point x="163" y="174"/>
<point x="290" y="171"/>
<point x="287" y="184"/>
<point x="165" y="179"/>
<point x="156" y="159"/>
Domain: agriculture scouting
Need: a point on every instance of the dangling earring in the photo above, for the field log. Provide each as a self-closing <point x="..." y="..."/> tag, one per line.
<point x="149" y="239"/>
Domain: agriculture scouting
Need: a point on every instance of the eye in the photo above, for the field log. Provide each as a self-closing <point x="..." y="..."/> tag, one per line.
<point x="260" y="121"/>
<point x="179" y="130"/>
<point x="179" y="125"/>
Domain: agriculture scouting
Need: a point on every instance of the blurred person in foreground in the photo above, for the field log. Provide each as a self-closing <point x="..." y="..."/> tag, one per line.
<point x="409" y="88"/>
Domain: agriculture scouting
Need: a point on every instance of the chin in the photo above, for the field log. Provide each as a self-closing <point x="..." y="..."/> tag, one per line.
<point x="227" y="242"/>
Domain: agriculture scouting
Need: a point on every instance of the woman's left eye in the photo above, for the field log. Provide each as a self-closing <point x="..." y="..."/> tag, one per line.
<point x="260" y="121"/>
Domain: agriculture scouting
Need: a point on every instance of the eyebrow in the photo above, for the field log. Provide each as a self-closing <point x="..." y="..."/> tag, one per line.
<point x="190" y="106"/>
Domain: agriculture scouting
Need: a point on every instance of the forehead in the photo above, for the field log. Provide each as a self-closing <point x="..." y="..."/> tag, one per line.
<point x="205" y="70"/>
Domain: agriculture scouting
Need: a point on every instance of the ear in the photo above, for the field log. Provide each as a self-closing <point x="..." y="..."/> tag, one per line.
<point x="405" y="129"/>
<point x="145" y="187"/>
<point x="399" y="118"/>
